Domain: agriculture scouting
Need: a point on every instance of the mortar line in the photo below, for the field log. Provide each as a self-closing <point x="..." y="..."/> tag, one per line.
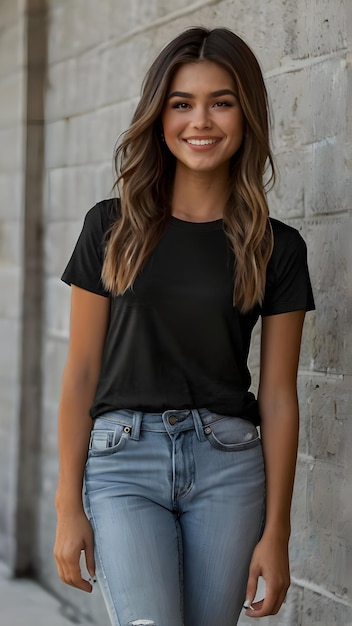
<point x="165" y="19"/>
<point x="307" y="585"/>
<point x="143" y="28"/>
<point x="305" y="458"/>
<point x="337" y="213"/>
<point x="317" y="373"/>
<point x="59" y="335"/>
<point x="299" y="64"/>
<point x="133" y="100"/>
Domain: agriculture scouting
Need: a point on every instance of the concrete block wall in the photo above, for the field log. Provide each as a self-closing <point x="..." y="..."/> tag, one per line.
<point x="12" y="137"/>
<point x="97" y="56"/>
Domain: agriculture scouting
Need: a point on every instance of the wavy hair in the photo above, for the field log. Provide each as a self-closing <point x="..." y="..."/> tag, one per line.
<point x="145" y="169"/>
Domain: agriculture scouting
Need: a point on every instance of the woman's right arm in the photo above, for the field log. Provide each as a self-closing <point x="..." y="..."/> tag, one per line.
<point x="88" y="327"/>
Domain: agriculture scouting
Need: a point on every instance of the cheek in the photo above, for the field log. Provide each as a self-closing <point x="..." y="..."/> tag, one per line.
<point x="237" y="127"/>
<point x="171" y="124"/>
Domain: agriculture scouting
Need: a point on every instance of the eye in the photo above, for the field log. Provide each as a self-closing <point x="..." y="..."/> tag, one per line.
<point x="180" y="105"/>
<point x="223" y="104"/>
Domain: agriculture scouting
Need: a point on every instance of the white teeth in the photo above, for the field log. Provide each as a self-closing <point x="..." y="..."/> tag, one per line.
<point x="201" y="142"/>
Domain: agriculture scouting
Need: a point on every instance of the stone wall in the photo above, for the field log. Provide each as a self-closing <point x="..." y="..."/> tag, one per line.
<point x="12" y="137"/>
<point x="97" y="54"/>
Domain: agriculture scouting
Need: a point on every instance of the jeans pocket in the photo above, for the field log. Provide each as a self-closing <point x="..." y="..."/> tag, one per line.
<point x="107" y="438"/>
<point x="232" y="434"/>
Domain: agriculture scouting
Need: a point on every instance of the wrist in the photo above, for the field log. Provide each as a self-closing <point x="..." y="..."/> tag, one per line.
<point x="278" y="532"/>
<point x="68" y="499"/>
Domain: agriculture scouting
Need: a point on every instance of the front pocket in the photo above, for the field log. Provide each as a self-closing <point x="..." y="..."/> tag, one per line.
<point x="232" y="434"/>
<point x="105" y="440"/>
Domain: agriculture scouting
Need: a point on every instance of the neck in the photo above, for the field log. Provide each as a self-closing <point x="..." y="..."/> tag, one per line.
<point x="199" y="196"/>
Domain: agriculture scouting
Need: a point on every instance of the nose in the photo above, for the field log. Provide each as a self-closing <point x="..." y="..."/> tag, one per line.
<point x="201" y="118"/>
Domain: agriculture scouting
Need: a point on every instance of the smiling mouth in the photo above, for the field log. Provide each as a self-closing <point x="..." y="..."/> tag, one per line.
<point x="202" y="142"/>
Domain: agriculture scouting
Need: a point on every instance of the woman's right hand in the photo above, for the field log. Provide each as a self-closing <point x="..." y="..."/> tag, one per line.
<point x="74" y="534"/>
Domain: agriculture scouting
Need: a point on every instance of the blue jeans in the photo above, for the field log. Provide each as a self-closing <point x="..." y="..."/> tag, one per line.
<point x="176" y="502"/>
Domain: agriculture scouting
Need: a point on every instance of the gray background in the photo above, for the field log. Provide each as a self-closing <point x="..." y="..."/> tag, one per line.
<point x="70" y="74"/>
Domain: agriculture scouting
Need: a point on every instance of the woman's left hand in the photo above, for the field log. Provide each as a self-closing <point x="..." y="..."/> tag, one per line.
<point x="269" y="560"/>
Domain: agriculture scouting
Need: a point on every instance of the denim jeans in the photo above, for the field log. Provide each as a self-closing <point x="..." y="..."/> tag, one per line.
<point x="176" y="502"/>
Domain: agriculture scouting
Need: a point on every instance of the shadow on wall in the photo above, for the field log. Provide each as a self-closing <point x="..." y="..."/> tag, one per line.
<point x="29" y="426"/>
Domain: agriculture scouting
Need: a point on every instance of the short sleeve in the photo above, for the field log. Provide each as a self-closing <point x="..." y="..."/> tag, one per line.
<point x="85" y="265"/>
<point x="288" y="285"/>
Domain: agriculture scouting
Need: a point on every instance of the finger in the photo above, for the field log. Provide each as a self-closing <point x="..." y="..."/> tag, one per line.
<point x="89" y="557"/>
<point x="279" y="603"/>
<point x="250" y="608"/>
<point x="252" y="585"/>
<point x="60" y="566"/>
<point x="270" y="605"/>
<point x="73" y="577"/>
<point x="254" y="609"/>
<point x="70" y="571"/>
<point x="60" y="570"/>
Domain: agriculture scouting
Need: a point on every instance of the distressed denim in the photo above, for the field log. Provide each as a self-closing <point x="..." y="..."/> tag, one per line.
<point x="176" y="502"/>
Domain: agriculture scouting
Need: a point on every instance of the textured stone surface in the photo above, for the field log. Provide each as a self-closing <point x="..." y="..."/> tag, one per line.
<point x="10" y="195"/>
<point x="96" y="60"/>
<point x="326" y="240"/>
<point x="12" y="81"/>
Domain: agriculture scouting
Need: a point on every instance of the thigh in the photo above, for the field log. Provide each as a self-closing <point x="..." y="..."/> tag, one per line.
<point x="221" y="525"/>
<point x="137" y="540"/>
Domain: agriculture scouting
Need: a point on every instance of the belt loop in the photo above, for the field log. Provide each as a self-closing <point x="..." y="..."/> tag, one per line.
<point x="136" y="425"/>
<point x="198" y="424"/>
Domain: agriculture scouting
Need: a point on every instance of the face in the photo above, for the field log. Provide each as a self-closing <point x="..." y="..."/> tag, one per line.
<point x="202" y="118"/>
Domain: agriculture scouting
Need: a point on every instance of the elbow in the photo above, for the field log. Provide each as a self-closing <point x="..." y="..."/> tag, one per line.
<point x="279" y="403"/>
<point x="82" y="375"/>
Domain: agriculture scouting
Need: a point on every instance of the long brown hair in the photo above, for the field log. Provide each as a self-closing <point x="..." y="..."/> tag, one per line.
<point x="145" y="169"/>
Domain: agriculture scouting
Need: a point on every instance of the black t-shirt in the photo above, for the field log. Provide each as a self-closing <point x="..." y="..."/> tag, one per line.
<point x="175" y="340"/>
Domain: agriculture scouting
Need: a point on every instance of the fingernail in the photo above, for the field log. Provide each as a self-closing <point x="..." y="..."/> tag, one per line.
<point x="247" y="605"/>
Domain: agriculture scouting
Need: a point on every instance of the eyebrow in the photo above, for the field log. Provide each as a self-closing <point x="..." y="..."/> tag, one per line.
<point x="213" y="94"/>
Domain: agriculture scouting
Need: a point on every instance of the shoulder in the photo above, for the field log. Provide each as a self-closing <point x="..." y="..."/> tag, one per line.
<point x="283" y="233"/>
<point x="102" y="215"/>
<point x="287" y="241"/>
<point x="288" y="287"/>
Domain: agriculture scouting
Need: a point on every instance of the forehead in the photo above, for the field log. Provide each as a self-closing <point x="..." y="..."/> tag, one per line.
<point x="201" y="74"/>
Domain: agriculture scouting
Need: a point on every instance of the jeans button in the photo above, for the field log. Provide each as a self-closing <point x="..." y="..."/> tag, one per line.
<point x="172" y="420"/>
<point x="207" y="430"/>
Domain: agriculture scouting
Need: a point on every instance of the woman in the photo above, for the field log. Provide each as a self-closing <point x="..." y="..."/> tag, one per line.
<point x="184" y="506"/>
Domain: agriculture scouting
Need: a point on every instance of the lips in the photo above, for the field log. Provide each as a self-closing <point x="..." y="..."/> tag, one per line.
<point x="202" y="142"/>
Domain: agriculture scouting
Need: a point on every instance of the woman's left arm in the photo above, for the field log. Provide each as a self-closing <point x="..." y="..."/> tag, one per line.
<point x="278" y="405"/>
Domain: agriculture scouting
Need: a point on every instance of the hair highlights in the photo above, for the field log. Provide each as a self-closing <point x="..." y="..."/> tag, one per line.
<point x="145" y="169"/>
